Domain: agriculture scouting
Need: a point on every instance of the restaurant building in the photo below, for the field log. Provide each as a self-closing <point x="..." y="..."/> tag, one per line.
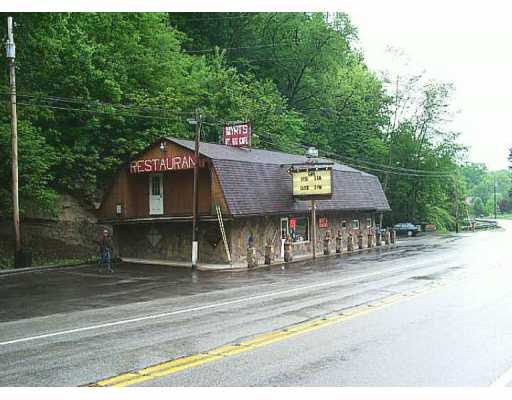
<point x="245" y="192"/>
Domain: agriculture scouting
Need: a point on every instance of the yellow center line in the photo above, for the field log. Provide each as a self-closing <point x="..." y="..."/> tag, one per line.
<point x="231" y="349"/>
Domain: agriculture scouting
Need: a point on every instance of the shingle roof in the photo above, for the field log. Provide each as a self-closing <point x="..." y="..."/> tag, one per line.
<point x="221" y="152"/>
<point x="256" y="182"/>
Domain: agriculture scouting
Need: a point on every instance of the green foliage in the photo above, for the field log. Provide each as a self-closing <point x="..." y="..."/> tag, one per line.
<point x="133" y="85"/>
<point x="123" y="80"/>
<point x="35" y="161"/>
<point x="480" y="182"/>
<point x="478" y="207"/>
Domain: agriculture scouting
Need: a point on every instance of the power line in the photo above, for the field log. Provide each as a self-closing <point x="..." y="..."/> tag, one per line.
<point x="96" y="103"/>
<point x="383" y="168"/>
<point x="369" y="165"/>
<point x="218" y="18"/>
<point x="240" y="61"/>
<point x="273" y="45"/>
<point x="355" y="165"/>
<point x="388" y="167"/>
<point x="124" y="114"/>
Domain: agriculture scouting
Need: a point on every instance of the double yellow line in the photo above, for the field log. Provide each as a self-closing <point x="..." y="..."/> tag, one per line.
<point x="231" y="349"/>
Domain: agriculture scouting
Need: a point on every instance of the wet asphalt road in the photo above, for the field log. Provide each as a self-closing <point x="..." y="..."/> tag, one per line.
<point x="75" y="326"/>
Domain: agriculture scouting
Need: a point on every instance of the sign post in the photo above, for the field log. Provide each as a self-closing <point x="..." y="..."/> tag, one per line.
<point x="313" y="229"/>
<point x="312" y="182"/>
<point x="195" y="198"/>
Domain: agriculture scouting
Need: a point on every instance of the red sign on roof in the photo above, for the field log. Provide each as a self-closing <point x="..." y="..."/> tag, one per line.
<point x="237" y="135"/>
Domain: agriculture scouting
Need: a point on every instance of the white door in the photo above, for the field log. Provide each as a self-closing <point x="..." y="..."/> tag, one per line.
<point x="156" y="194"/>
<point x="284" y="234"/>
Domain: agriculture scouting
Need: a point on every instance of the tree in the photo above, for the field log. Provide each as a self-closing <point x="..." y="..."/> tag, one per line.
<point x="35" y="162"/>
<point x="478" y="207"/>
<point x="123" y="81"/>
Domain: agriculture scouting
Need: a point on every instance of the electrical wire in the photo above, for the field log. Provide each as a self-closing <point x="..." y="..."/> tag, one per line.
<point x="358" y="165"/>
<point x="218" y="18"/>
<point x="96" y="103"/>
<point x="99" y="112"/>
<point x="239" y="48"/>
<point x="368" y="165"/>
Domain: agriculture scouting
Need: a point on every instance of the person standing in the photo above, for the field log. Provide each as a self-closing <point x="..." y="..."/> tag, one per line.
<point x="106" y="248"/>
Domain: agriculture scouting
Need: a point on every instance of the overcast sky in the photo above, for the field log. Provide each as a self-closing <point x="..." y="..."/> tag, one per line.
<point x="462" y="42"/>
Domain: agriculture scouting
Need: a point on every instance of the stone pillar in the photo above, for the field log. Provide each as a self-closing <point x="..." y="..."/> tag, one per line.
<point x="350" y="242"/>
<point x="268" y="253"/>
<point x="339" y="243"/>
<point x="370" y="239"/>
<point x="288" y="256"/>
<point x="360" y="240"/>
<point x="327" y="243"/>
<point x="251" y="257"/>
<point x="387" y="237"/>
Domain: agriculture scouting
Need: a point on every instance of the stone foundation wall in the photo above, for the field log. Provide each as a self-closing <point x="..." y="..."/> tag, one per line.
<point x="263" y="229"/>
<point x="170" y="241"/>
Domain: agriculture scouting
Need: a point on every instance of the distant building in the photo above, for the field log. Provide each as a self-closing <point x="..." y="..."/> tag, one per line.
<point x="149" y="203"/>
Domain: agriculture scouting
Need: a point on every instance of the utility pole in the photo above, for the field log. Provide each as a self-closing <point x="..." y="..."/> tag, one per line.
<point x="495" y="197"/>
<point x="11" y="55"/>
<point x="195" y="199"/>
<point x="456" y="205"/>
<point x="313" y="227"/>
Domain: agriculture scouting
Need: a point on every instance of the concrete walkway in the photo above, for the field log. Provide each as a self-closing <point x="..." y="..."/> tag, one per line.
<point x="242" y="266"/>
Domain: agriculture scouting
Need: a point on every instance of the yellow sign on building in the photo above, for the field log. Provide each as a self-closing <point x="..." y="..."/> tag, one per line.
<point x="312" y="182"/>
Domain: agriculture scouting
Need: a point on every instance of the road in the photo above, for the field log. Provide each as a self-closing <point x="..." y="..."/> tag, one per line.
<point x="434" y="311"/>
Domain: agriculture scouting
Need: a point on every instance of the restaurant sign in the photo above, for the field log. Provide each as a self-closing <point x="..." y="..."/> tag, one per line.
<point x="163" y="164"/>
<point x="312" y="182"/>
<point x="237" y="134"/>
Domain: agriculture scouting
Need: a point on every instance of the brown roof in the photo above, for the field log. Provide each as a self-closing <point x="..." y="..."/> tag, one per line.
<point x="256" y="182"/>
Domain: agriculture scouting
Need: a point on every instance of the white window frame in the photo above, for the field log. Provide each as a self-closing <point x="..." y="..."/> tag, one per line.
<point x="358" y="224"/>
<point x="161" y="179"/>
<point x="281" y="227"/>
<point x="308" y="229"/>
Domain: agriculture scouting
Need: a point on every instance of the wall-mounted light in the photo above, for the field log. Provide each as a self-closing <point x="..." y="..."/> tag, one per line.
<point x="162" y="147"/>
<point x="119" y="210"/>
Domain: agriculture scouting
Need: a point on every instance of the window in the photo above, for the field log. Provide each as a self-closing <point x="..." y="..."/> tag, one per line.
<point x="298" y="228"/>
<point x="284" y="228"/>
<point x="155" y="185"/>
<point x="355" y="224"/>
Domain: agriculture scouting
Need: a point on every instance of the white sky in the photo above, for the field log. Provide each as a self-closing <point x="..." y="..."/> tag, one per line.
<point x="462" y="42"/>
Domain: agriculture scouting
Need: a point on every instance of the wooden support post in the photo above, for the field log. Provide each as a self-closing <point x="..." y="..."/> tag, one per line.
<point x="313" y="227"/>
<point x="195" y="198"/>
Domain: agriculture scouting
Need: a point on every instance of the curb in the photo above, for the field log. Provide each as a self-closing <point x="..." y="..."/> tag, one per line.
<point x="16" y="271"/>
<point x="308" y="258"/>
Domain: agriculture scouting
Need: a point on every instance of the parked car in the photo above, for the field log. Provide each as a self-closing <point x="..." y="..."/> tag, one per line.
<point x="406" y="228"/>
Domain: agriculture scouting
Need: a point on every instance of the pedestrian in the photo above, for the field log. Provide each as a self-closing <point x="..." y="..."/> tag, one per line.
<point x="106" y="247"/>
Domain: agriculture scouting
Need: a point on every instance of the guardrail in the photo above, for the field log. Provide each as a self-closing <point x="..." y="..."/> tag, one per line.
<point x="480" y="223"/>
